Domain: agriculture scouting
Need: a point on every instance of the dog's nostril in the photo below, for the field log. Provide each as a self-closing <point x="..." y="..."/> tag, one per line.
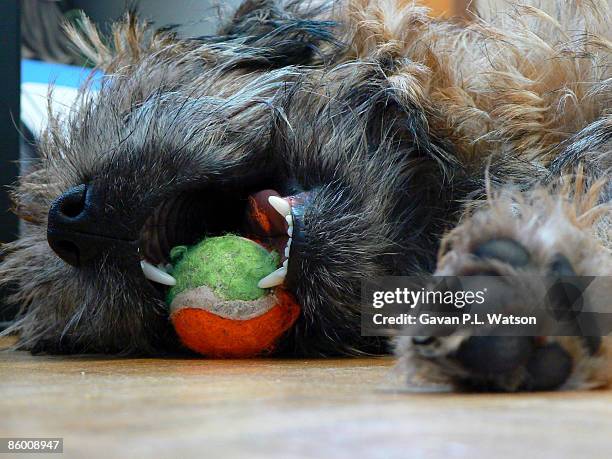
<point x="72" y="209"/>
<point x="72" y="227"/>
<point x="67" y="251"/>
<point x="72" y="203"/>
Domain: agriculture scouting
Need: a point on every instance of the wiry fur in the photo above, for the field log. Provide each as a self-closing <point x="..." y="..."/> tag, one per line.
<point x="389" y="118"/>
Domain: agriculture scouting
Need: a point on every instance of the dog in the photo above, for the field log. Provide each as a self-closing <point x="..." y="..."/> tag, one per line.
<point x="404" y="145"/>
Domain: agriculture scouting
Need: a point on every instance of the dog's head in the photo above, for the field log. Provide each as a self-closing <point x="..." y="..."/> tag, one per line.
<point x="181" y="134"/>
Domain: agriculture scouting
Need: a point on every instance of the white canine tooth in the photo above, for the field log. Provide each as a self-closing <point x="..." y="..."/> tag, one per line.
<point x="273" y="279"/>
<point x="155" y="274"/>
<point x="280" y="205"/>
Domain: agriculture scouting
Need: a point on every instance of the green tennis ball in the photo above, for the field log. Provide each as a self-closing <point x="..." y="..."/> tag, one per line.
<point x="230" y="265"/>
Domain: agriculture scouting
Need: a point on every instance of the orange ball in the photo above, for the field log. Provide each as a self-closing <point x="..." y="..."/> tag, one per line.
<point x="212" y="335"/>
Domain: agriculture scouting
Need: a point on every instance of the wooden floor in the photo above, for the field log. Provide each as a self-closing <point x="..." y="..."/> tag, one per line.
<point x="111" y="408"/>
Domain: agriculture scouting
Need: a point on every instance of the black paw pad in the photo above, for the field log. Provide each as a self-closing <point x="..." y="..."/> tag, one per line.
<point x="548" y="368"/>
<point x="493" y="355"/>
<point x="505" y="250"/>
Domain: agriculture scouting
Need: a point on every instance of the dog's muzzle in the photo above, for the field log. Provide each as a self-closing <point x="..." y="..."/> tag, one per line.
<point x="77" y="230"/>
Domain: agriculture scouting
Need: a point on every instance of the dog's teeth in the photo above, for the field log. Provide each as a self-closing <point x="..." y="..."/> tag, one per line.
<point x="165" y="267"/>
<point x="168" y="267"/>
<point x="280" y="205"/>
<point x="155" y="274"/>
<point x="273" y="279"/>
<point x="285" y="263"/>
<point x="290" y="231"/>
<point x="287" y="251"/>
<point x="289" y="219"/>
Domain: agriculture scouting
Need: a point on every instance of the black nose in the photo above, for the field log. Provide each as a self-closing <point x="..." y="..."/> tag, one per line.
<point x="71" y="227"/>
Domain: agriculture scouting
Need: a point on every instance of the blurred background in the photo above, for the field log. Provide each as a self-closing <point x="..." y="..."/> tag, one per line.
<point x="35" y="53"/>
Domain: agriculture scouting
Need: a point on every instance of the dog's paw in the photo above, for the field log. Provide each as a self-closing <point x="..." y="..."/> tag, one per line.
<point x="523" y="239"/>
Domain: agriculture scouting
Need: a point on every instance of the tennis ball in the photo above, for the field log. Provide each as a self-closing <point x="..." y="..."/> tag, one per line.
<point x="230" y="265"/>
<point x="216" y="307"/>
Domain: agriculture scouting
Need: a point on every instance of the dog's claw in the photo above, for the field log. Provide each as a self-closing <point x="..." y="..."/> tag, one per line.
<point x="592" y="343"/>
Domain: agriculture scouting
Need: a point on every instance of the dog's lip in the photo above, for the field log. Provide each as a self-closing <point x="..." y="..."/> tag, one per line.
<point x="282" y="225"/>
<point x="292" y="209"/>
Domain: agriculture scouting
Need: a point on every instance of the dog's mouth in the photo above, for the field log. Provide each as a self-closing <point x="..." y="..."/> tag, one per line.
<point x="263" y="216"/>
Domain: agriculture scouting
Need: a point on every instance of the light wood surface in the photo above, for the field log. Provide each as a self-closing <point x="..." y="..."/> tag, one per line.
<point x="336" y="408"/>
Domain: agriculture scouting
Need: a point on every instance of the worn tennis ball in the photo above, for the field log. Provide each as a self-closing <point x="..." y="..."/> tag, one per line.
<point x="230" y="265"/>
<point x="216" y="307"/>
